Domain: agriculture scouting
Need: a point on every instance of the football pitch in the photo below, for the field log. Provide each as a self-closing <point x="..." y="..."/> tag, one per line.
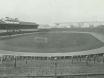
<point x="51" y="42"/>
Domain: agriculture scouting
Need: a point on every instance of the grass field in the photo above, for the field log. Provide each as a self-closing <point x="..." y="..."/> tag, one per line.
<point x="51" y="42"/>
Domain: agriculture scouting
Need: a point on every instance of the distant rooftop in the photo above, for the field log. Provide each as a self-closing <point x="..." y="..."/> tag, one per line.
<point x="15" y="21"/>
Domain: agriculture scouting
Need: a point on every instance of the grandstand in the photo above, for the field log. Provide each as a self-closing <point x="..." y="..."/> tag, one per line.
<point x="11" y="26"/>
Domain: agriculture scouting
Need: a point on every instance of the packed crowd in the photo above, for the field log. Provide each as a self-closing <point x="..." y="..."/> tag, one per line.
<point x="50" y="66"/>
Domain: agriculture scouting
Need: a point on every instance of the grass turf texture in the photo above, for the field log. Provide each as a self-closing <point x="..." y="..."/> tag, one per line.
<point x="51" y="42"/>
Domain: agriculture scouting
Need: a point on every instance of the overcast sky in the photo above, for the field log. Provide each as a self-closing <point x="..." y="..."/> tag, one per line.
<point x="50" y="11"/>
